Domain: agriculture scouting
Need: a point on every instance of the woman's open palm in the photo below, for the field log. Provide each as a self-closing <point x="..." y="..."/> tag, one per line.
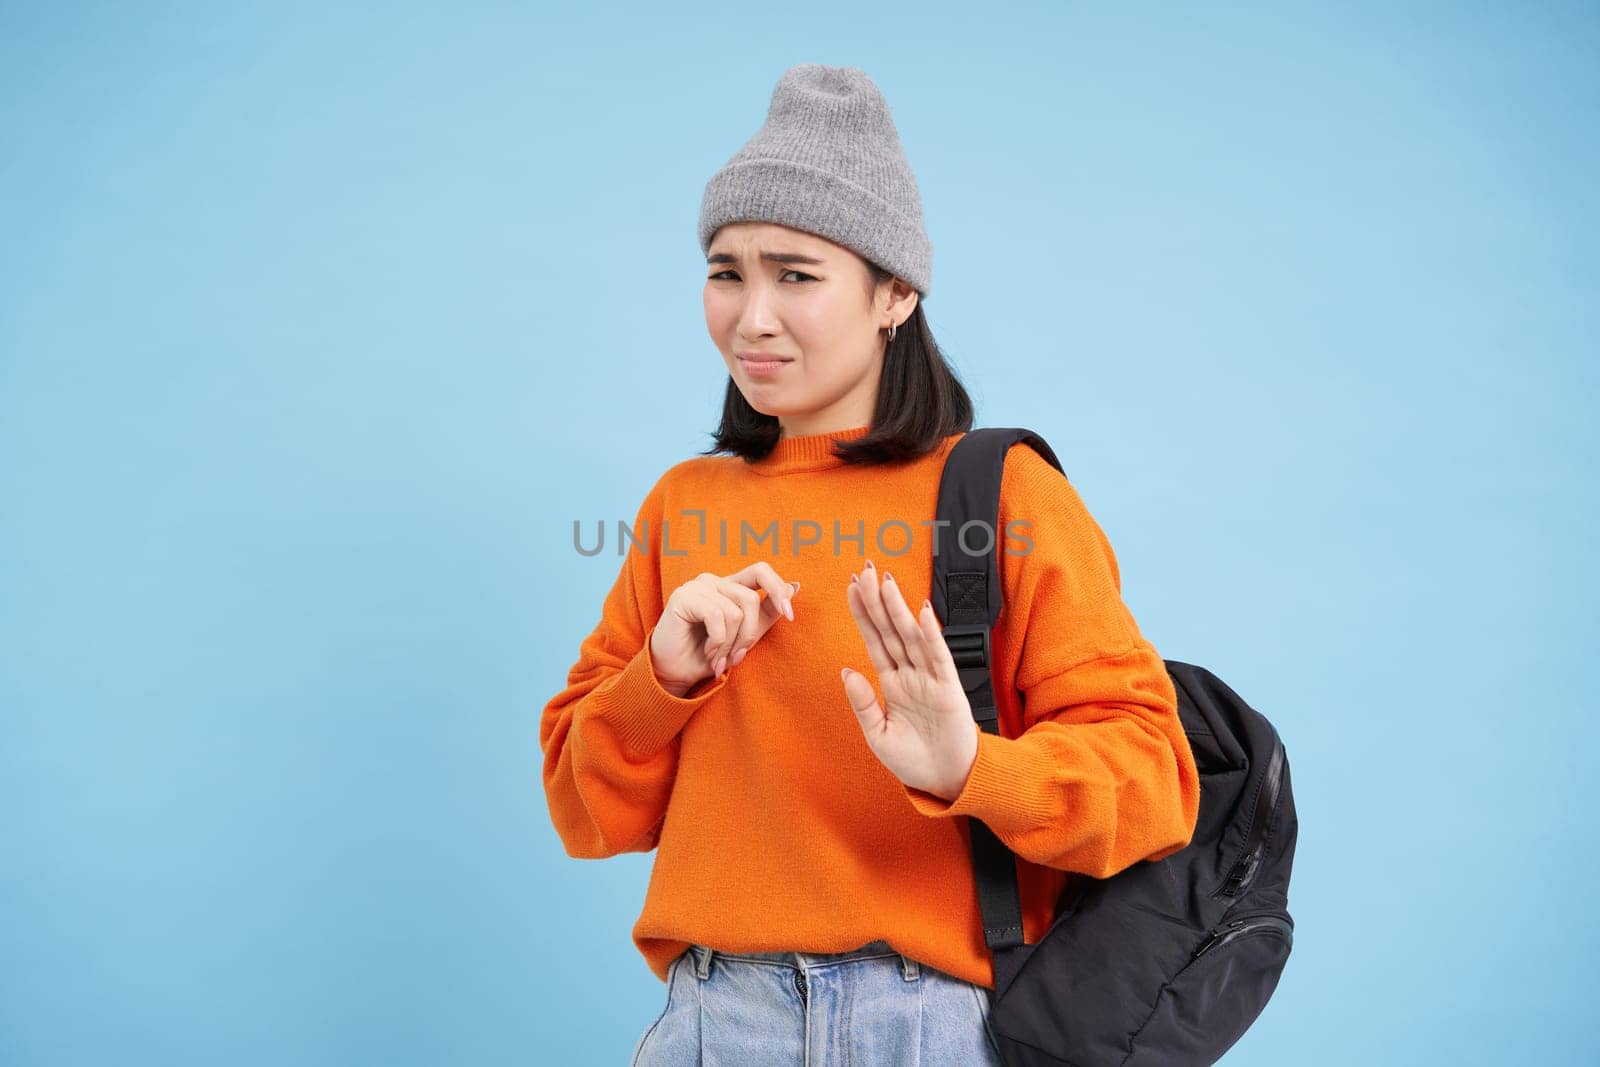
<point x="923" y="731"/>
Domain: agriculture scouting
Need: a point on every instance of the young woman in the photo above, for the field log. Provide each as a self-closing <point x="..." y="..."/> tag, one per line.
<point x="767" y="699"/>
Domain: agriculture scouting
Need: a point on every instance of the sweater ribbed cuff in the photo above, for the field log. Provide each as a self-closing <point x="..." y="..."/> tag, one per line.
<point x="645" y="716"/>
<point x="993" y="792"/>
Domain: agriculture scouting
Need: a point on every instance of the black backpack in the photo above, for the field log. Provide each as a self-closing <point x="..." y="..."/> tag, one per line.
<point x="1163" y="963"/>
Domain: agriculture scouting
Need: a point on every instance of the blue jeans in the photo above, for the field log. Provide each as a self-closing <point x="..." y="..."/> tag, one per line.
<point x="866" y="1007"/>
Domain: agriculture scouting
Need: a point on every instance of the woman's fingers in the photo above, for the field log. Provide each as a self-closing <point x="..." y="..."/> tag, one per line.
<point x="724" y="610"/>
<point x="870" y="635"/>
<point x="762" y="575"/>
<point x="736" y="615"/>
<point x="716" y="631"/>
<point x="941" y="662"/>
<point x="758" y="616"/>
<point x="872" y="599"/>
<point x="722" y="619"/>
<point x="770" y="608"/>
<point x="745" y="604"/>
<point x="905" y="624"/>
<point x="755" y="615"/>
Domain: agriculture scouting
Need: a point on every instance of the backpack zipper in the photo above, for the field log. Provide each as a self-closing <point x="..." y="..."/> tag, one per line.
<point x="1240" y="927"/>
<point x="1244" y="869"/>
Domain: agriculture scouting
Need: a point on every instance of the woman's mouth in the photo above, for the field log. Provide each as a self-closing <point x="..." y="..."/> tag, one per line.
<point x="762" y="366"/>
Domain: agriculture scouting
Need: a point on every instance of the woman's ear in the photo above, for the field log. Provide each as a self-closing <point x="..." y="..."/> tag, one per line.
<point x="900" y="304"/>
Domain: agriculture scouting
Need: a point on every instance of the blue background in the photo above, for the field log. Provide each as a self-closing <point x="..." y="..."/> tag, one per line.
<point x="318" y="329"/>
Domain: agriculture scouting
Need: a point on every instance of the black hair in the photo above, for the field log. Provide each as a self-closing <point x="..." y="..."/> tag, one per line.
<point x="921" y="401"/>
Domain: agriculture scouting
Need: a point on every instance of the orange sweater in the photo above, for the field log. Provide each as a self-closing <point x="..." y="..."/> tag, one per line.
<point x="775" y="826"/>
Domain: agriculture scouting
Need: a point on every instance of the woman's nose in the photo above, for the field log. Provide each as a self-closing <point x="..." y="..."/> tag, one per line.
<point x="755" y="315"/>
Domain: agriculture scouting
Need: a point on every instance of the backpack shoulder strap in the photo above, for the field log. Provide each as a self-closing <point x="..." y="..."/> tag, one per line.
<point x="966" y="574"/>
<point x="967" y="597"/>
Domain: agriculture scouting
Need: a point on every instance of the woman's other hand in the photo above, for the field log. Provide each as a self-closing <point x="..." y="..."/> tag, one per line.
<point x="711" y="621"/>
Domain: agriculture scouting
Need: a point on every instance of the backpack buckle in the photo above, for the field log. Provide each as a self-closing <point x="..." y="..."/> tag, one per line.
<point x="969" y="646"/>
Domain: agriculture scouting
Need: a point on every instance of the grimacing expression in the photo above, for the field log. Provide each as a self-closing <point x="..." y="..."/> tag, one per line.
<point x="806" y="304"/>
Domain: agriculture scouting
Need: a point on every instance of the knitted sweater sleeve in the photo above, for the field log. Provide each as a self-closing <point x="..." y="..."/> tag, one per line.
<point x="610" y="738"/>
<point x="1102" y="775"/>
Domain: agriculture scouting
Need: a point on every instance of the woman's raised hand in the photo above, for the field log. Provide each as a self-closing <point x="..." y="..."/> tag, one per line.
<point x="711" y="621"/>
<point x="923" y="732"/>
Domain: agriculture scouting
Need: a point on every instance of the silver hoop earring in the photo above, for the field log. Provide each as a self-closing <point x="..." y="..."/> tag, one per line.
<point x="893" y="326"/>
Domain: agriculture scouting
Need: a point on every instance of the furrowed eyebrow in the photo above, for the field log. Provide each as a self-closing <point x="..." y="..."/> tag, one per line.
<point x="770" y="257"/>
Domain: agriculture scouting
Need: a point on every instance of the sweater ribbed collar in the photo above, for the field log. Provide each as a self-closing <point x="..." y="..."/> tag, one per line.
<point x="809" y="452"/>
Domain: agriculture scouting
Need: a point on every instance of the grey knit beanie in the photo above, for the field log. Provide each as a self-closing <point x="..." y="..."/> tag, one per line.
<point x="827" y="161"/>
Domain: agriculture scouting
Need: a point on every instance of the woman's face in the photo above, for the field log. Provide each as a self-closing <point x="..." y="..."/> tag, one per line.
<point x="813" y="308"/>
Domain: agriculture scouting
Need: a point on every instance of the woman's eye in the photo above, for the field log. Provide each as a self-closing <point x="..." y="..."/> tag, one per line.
<point x="729" y="274"/>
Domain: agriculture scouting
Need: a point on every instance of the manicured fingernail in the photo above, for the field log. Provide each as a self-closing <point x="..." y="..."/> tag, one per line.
<point x="737" y="656"/>
<point x="722" y="663"/>
<point x="853" y="578"/>
<point x="926" y="606"/>
<point x="888" y="577"/>
<point x="869" y="564"/>
<point x="788" y="610"/>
